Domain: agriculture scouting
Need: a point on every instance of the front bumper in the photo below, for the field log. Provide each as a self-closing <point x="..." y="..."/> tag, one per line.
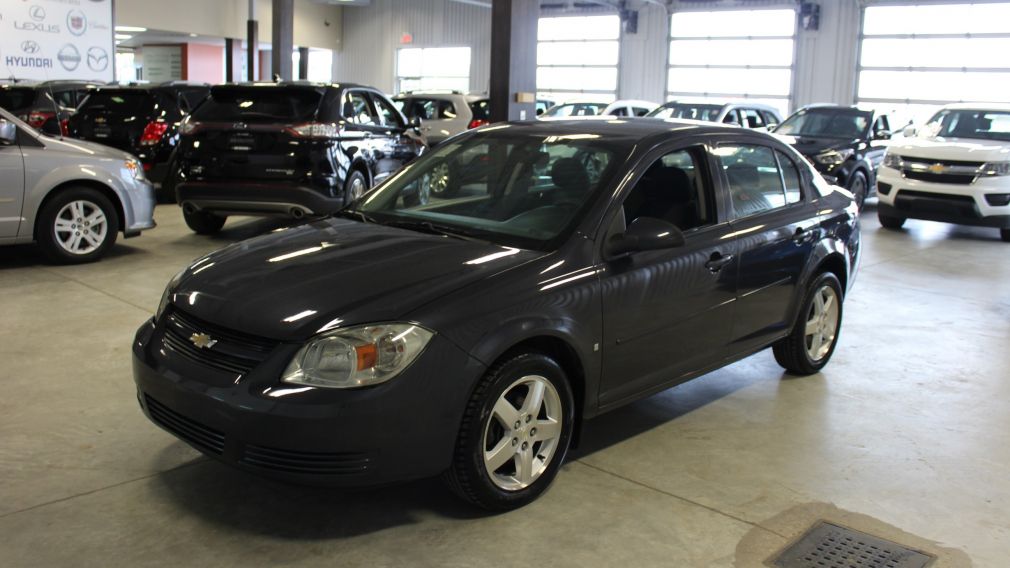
<point x="400" y="430"/>
<point x="138" y="207"/>
<point x="255" y="198"/>
<point x="963" y="204"/>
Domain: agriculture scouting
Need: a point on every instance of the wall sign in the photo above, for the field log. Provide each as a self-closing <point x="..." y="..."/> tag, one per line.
<point x="56" y="39"/>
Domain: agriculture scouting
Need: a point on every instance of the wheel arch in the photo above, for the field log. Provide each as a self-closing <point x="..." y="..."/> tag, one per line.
<point x="105" y="190"/>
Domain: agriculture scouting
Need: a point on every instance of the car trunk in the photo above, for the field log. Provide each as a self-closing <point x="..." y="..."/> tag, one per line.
<point x="114" y="118"/>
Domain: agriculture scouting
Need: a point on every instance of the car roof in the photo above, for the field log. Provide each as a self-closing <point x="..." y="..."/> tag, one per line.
<point x="839" y="107"/>
<point x="1002" y="107"/>
<point x="647" y="130"/>
<point x="439" y="96"/>
<point x="758" y="106"/>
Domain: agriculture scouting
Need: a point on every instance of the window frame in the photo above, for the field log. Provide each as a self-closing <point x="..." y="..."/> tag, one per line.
<point x="727" y="190"/>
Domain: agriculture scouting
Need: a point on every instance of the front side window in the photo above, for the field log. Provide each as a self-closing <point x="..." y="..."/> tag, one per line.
<point x="518" y="190"/>
<point x="357" y="110"/>
<point x="673" y="189"/>
<point x="755" y="183"/>
<point x="388" y="114"/>
<point x="731" y="118"/>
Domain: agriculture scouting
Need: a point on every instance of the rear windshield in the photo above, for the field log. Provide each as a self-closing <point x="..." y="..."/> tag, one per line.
<point x="708" y="113"/>
<point x="16" y="98"/>
<point x="259" y="104"/>
<point x="119" y="101"/>
<point x="481" y="110"/>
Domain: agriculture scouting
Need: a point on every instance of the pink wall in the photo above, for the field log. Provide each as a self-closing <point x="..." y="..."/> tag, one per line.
<point x="204" y="63"/>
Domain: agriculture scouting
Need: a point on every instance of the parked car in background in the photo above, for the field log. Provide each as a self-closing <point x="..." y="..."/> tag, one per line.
<point x="616" y="108"/>
<point x="956" y="171"/>
<point x="846" y="144"/>
<point x="143" y="120"/>
<point x="543" y="105"/>
<point x="471" y="334"/>
<point x="749" y="115"/>
<point x="444" y="114"/>
<point x="292" y="149"/>
<point x="45" y="106"/>
<point x="70" y="197"/>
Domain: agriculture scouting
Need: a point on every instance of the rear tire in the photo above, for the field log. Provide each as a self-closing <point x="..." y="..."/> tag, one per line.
<point x="889" y="222"/>
<point x="355" y="186"/>
<point x="1005" y="235"/>
<point x="78" y="225"/>
<point x="808" y="348"/>
<point x="514" y="435"/>
<point x="203" y="223"/>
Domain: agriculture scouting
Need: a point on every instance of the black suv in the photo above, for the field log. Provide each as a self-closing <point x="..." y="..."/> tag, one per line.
<point x="141" y="119"/>
<point x="292" y="149"/>
<point x="45" y="106"/>
<point x="844" y="143"/>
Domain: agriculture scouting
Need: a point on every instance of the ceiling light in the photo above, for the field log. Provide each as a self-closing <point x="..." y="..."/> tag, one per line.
<point x="123" y="36"/>
<point x="130" y="29"/>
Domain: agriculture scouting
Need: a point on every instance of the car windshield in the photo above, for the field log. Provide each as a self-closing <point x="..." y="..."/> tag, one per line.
<point x="16" y="98"/>
<point x="709" y="113"/>
<point x="978" y="124"/>
<point x="845" y="123"/>
<point x="514" y="189"/>
<point x="259" y="104"/>
<point x="576" y="109"/>
<point x="124" y="101"/>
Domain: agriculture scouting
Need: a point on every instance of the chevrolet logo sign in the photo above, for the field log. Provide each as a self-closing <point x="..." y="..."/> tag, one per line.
<point x="937" y="168"/>
<point x="202" y="340"/>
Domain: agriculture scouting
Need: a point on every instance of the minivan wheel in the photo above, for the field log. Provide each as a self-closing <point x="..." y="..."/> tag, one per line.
<point x="1005" y="235"/>
<point x="77" y="225"/>
<point x="355" y="186"/>
<point x="812" y="342"/>
<point x="514" y="435"/>
<point x="203" y="223"/>
<point x="857" y="187"/>
<point x="888" y="222"/>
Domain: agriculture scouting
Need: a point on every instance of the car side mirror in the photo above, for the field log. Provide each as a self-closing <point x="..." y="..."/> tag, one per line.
<point x="8" y="132"/>
<point x="882" y="135"/>
<point x="909" y="131"/>
<point x="645" y="233"/>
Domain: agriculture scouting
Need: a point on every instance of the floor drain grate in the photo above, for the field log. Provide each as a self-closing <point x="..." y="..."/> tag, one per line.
<point x="832" y="546"/>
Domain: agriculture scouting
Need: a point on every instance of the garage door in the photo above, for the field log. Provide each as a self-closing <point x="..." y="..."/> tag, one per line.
<point x="577" y="58"/>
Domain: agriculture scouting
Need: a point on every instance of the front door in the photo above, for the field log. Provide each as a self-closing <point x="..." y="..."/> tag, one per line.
<point x="668" y="312"/>
<point x="12" y="189"/>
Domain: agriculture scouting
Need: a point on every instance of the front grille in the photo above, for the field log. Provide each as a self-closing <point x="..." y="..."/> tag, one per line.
<point x="234" y="352"/>
<point x="197" y="434"/>
<point x="320" y="463"/>
<point x="958" y="172"/>
<point x="959" y="179"/>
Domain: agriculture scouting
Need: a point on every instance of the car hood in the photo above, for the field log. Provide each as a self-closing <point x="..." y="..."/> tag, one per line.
<point x="964" y="149"/>
<point x="296" y="282"/>
<point x="82" y="148"/>
<point x="813" y="145"/>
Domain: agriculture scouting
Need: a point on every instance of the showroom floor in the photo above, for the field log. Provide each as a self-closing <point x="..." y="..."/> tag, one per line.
<point x="905" y="435"/>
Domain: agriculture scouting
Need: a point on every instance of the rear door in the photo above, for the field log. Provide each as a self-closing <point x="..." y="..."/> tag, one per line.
<point x="12" y="189"/>
<point x="776" y="228"/>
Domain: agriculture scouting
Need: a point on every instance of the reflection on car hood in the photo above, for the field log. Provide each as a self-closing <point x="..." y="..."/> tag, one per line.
<point x="813" y="145"/>
<point x="295" y="282"/>
<point x="964" y="149"/>
<point x="81" y="147"/>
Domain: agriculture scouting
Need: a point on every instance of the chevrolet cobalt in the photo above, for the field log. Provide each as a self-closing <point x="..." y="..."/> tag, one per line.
<point x="467" y="315"/>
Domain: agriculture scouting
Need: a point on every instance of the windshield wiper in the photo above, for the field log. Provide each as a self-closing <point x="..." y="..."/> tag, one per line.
<point x="429" y="227"/>
<point x="356" y="215"/>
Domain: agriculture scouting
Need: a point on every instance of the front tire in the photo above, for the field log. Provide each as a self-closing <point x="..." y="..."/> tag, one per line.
<point x="78" y="225"/>
<point x="514" y="435"/>
<point x="355" y="186"/>
<point x="203" y="223"/>
<point x="858" y="188"/>
<point x="808" y="348"/>
<point x="889" y="222"/>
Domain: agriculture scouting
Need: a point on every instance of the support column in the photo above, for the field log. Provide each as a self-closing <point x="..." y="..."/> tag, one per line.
<point x="303" y="63"/>
<point x="232" y="57"/>
<point x="283" y="37"/>
<point x="252" y="43"/>
<point x="513" y="59"/>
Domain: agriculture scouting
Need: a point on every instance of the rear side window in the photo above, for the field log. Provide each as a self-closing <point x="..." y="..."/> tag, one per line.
<point x="389" y="115"/>
<point x="481" y="110"/>
<point x="752" y="118"/>
<point x="16" y="98"/>
<point x="731" y="118"/>
<point x="640" y="111"/>
<point x="65" y="98"/>
<point x="124" y="101"/>
<point x="755" y="182"/>
<point x="791" y="178"/>
<point x="429" y="109"/>
<point x="260" y="104"/>
<point x="619" y="111"/>
<point x="358" y="110"/>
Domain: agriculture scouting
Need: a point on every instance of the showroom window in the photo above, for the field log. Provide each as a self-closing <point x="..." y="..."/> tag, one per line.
<point x="732" y="55"/>
<point x="433" y="69"/>
<point x="914" y="58"/>
<point x="577" y="58"/>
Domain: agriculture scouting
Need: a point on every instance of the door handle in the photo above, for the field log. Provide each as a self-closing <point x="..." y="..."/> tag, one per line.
<point x="717" y="261"/>
<point x="803" y="236"/>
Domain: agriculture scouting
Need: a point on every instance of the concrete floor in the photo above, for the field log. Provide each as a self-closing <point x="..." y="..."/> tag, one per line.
<point x="906" y="434"/>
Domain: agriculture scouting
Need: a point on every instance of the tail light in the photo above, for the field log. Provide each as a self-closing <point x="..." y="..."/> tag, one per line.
<point x="477" y="123"/>
<point x="314" y="130"/>
<point x="65" y="127"/>
<point x="153" y="133"/>
<point x="147" y="167"/>
<point x="37" y="119"/>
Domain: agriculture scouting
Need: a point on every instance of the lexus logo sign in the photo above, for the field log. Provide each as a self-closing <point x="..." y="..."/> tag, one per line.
<point x="37" y="13"/>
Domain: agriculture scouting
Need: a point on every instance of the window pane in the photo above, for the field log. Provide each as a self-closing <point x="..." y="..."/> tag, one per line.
<point x="433" y="69"/>
<point x="753" y="175"/>
<point x="446" y="62"/>
<point x="742" y="81"/>
<point x="938" y="19"/>
<point x="408" y="63"/>
<point x="672" y="189"/>
<point x="791" y="176"/>
<point x="732" y="52"/>
<point x="581" y="78"/>
<point x="733" y="23"/>
<point x="934" y="85"/>
<point x="947" y="52"/>
<point x="584" y="27"/>
<point x="577" y="53"/>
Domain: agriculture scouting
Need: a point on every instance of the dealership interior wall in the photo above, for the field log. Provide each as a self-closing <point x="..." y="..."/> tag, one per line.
<point x="904" y="437"/>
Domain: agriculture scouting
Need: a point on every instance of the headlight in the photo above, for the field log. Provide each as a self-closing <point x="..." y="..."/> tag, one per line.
<point x="893" y="161"/>
<point x="995" y="169"/>
<point x="167" y="294"/>
<point x="134" y="169"/>
<point x="834" y="157"/>
<point x="357" y="356"/>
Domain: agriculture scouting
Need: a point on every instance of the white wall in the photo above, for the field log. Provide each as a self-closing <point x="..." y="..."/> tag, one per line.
<point x="227" y="18"/>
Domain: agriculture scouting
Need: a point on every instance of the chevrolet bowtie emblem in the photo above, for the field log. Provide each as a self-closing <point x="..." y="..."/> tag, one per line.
<point x="202" y="340"/>
<point x="937" y="168"/>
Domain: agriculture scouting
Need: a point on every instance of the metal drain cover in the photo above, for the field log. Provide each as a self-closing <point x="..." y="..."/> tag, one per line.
<point x="832" y="546"/>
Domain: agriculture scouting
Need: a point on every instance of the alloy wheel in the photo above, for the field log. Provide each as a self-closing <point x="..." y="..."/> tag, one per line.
<point x="357" y="187"/>
<point x="80" y="227"/>
<point x="822" y="323"/>
<point x="522" y="433"/>
<point x="439" y="180"/>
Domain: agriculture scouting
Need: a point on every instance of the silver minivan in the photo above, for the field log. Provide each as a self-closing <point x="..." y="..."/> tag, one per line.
<point x="70" y="196"/>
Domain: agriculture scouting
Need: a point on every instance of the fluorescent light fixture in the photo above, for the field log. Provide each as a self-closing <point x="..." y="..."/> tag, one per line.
<point x="123" y="36"/>
<point x="134" y="29"/>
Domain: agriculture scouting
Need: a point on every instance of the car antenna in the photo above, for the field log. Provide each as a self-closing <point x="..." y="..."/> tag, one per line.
<point x="56" y="107"/>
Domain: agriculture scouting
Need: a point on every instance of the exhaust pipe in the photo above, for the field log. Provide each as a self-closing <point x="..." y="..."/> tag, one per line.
<point x="297" y="213"/>
<point x="188" y="208"/>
